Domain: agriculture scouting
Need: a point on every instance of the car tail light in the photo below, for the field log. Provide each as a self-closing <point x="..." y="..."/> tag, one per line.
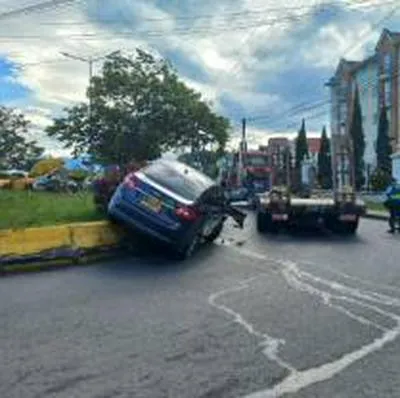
<point x="187" y="213"/>
<point x="130" y="181"/>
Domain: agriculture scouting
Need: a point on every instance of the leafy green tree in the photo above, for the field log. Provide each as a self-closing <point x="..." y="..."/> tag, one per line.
<point x="324" y="162"/>
<point x="383" y="149"/>
<point x="358" y="142"/>
<point x="16" y="152"/>
<point x="301" y="145"/>
<point x="140" y="108"/>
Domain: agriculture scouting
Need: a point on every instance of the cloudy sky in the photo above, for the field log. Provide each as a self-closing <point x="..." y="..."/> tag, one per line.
<point x="260" y="59"/>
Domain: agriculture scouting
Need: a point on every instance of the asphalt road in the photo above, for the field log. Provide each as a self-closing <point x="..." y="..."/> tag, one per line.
<point x="302" y="316"/>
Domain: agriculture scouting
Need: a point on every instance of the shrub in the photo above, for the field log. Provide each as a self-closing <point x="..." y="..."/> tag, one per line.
<point x="380" y="180"/>
<point x="78" y="175"/>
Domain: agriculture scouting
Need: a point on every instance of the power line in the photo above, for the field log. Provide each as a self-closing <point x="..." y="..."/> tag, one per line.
<point x="236" y="65"/>
<point x="391" y="12"/>
<point x="350" y="4"/>
<point x="257" y="22"/>
<point x="221" y="28"/>
<point x="43" y="6"/>
<point x="369" y="84"/>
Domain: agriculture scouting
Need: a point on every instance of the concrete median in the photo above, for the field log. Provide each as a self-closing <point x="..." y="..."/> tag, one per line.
<point x="40" y="248"/>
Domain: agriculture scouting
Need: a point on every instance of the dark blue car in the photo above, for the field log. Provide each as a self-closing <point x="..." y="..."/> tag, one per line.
<point x="173" y="203"/>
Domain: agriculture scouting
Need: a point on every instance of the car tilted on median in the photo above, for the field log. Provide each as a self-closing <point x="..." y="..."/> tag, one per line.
<point x="173" y="203"/>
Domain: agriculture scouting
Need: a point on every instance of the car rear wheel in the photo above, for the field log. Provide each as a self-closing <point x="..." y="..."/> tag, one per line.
<point x="215" y="233"/>
<point x="188" y="249"/>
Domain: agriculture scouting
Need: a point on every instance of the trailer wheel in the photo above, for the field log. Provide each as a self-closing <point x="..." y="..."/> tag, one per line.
<point x="345" y="228"/>
<point x="350" y="228"/>
<point x="262" y="222"/>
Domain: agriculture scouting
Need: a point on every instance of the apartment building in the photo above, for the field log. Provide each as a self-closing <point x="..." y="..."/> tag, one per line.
<point x="377" y="81"/>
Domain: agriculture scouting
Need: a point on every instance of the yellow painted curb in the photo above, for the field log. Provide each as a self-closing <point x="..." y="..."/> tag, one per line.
<point x="95" y="234"/>
<point x="30" y="241"/>
<point x="33" y="240"/>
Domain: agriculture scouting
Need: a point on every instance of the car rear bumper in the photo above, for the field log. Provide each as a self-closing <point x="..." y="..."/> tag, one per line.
<point x="137" y="220"/>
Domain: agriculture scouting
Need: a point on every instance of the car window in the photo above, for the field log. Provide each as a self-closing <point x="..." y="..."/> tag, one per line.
<point x="179" y="178"/>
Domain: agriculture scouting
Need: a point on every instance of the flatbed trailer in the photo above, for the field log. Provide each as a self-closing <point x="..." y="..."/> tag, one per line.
<point x="340" y="213"/>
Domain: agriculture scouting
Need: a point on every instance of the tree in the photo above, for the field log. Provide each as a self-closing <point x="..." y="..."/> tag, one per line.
<point x="383" y="149"/>
<point x="139" y="109"/>
<point x="380" y="180"/>
<point x="45" y="166"/>
<point x="16" y="152"/>
<point x="357" y="142"/>
<point x="324" y="162"/>
<point x="204" y="160"/>
<point x="301" y="145"/>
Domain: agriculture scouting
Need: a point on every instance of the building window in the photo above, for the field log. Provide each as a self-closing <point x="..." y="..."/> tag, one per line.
<point x="387" y="64"/>
<point x="388" y="93"/>
<point x="343" y="112"/>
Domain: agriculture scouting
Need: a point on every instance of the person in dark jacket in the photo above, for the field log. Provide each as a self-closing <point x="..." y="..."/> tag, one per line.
<point x="392" y="203"/>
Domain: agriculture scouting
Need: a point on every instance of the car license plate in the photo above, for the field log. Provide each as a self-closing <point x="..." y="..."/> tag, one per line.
<point x="152" y="203"/>
<point x="348" y="217"/>
<point x="279" y="217"/>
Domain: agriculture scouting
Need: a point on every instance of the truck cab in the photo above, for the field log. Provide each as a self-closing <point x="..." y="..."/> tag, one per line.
<point x="247" y="173"/>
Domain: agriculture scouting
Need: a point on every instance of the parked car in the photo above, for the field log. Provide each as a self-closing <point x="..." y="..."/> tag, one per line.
<point x="173" y="203"/>
<point x="55" y="183"/>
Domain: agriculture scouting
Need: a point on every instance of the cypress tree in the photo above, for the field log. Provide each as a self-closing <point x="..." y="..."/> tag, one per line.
<point x="324" y="162"/>
<point x="358" y="142"/>
<point x="383" y="149"/>
<point x="301" y="145"/>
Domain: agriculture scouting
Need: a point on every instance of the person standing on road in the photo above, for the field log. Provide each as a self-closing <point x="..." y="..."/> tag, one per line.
<point x="392" y="203"/>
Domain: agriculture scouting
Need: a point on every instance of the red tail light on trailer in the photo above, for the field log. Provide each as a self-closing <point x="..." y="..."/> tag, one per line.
<point x="187" y="213"/>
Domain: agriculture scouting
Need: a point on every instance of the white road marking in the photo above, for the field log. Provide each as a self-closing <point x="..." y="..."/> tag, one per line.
<point x="302" y="281"/>
<point x="270" y="344"/>
<point x="362" y="281"/>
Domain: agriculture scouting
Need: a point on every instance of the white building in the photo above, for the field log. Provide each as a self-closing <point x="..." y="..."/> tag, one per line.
<point x="378" y="83"/>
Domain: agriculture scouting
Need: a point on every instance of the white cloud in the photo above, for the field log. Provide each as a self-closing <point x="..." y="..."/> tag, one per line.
<point x="257" y="137"/>
<point x="232" y="55"/>
<point x="335" y="40"/>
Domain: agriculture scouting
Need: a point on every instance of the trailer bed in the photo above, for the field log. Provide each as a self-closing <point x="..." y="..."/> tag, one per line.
<point x="340" y="216"/>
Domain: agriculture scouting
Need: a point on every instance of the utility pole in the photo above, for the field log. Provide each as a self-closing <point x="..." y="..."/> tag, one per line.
<point x="288" y="182"/>
<point x="242" y="150"/>
<point x="90" y="61"/>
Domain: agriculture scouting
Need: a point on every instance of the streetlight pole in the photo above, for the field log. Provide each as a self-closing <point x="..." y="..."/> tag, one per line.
<point x="90" y="61"/>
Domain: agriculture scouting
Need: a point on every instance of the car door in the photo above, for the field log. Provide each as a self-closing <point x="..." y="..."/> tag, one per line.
<point x="212" y="203"/>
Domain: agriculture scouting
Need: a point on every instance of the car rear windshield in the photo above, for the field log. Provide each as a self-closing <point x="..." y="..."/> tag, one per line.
<point x="178" y="178"/>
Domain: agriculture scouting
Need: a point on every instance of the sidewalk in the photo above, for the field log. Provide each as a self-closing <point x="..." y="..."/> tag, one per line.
<point x="377" y="215"/>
